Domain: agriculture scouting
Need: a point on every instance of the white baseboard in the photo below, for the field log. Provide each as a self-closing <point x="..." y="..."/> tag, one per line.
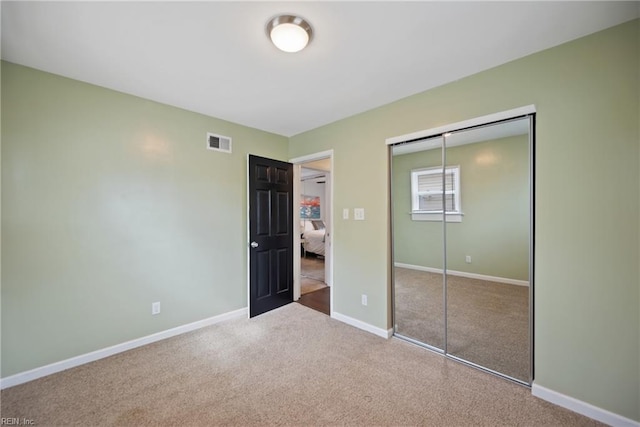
<point x="43" y="371"/>
<point x="581" y="407"/>
<point x="465" y="274"/>
<point x="386" y="334"/>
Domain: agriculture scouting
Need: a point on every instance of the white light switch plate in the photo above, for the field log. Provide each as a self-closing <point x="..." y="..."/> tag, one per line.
<point x="345" y="213"/>
<point x="358" y="214"/>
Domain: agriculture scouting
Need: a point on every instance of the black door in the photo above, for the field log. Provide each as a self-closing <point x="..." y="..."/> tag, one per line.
<point x="270" y="234"/>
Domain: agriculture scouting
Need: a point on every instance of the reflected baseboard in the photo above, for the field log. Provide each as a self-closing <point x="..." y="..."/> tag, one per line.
<point x="464" y="274"/>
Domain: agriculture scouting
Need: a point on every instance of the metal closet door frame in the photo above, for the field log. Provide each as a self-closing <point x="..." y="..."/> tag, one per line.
<point x="528" y="112"/>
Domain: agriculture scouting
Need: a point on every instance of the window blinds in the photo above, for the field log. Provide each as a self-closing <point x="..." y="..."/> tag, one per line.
<point x="430" y="193"/>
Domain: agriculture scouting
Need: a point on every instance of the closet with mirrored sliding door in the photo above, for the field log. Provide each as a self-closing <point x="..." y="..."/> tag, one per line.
<point x="462" y="222"/>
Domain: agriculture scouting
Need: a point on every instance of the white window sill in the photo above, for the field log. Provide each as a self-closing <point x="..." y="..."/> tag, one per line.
<point x="422" y="216"/>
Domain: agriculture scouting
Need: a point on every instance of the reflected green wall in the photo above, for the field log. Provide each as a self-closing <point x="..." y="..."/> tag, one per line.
<point x="494" y="188"/>
<point x="109" y="203"/>
<point x="418" y="243"/>
<point x="587" y="323"/>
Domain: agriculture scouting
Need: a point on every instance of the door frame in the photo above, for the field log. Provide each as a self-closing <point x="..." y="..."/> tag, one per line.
<point x="297" y="175"/>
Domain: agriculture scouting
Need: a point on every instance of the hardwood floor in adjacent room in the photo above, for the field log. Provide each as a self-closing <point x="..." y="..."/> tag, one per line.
<point x="319" y="300"/>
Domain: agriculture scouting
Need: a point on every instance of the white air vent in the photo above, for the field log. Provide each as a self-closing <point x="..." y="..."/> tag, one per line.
<point x="219" y="142"/>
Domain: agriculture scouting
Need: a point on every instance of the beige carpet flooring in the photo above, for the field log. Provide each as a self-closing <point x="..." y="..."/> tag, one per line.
<point x="291" y="366"/>
<point x="488" y="322"/>
<point x="311" y="274"/>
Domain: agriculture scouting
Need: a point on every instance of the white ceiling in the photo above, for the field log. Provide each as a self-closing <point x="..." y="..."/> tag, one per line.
<point x="214" y="57"/>
<point x="320" y="165"/>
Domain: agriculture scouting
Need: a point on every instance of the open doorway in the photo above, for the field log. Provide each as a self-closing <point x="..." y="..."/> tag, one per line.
<point x="313" y="191"/>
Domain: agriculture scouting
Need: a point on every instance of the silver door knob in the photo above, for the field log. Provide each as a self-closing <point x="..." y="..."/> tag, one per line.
<point x="254" y="244"/>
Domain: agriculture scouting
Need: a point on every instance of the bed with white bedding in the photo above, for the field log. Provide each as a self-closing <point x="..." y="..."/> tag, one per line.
<point x="313" y="241"/>
<point x="313" y="237"/>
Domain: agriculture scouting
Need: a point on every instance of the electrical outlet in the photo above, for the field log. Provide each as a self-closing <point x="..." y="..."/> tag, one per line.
<point x="467" y="259"/>
<point x="155" y="308"/>
<point x="358" y="214"/>
<point x="364" y="299"/>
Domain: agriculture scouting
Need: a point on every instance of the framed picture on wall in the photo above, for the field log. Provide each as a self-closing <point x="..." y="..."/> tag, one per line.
<point x="309" y="207"/>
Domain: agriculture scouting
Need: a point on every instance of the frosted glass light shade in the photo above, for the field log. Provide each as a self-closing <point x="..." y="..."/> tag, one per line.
<point x="289" y="33"/>
<point x="289" y="37"/>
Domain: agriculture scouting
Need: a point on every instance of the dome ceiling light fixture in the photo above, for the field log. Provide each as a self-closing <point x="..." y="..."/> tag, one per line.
<point x="289" y="33"/>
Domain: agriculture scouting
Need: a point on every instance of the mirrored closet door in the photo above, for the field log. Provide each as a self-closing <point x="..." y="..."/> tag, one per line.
<point x="461" y="209"/>
<point x="419" y="279"/>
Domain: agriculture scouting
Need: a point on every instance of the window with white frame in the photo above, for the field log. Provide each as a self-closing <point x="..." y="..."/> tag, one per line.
<point x="427" y="194"/>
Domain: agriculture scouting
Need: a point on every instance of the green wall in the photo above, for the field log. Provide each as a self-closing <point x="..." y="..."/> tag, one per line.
<point x="587" y="323"/>
<point x="494" y="188"/>
<point x="109" y="203"/>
